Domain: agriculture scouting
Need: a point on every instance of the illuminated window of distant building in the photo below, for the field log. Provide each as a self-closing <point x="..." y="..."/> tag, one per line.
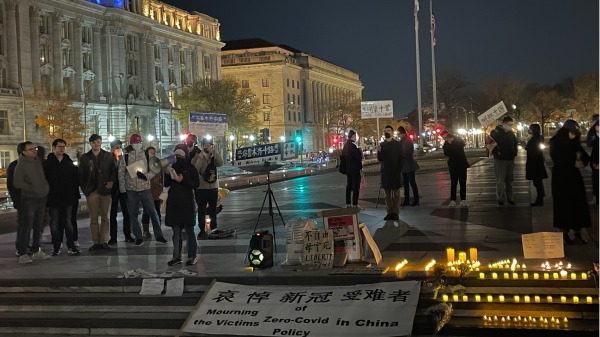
<point x="172" y="96"/>
<point x="293" y="101"/>
<point x="288" y="82"/>
<point x="298" y="84"/>
<point x="157" y="51"/>
<point x="292" y="84"/>
<point x="288" y="98"/>
<point x="157" y="73"/>
<point x="294" y="115"/>
<point x="289" y="115"/>
<point x="245" y="84"/>
<point x="266" y="99"/>
<point x="265" y="82"/>
<point x="207" y="67"/>
<point x="298" y="102"/>
<point x="4" y="125"/>
<point x="4" y="159"/>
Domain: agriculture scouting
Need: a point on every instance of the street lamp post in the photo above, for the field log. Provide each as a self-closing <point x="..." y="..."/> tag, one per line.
<point x="232" y="139"/>
<point x="23" y="107"/>
<point x="86" y="94"/>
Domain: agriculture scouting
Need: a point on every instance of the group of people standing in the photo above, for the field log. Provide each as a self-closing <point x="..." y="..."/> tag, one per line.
<point x="107" y="179"/>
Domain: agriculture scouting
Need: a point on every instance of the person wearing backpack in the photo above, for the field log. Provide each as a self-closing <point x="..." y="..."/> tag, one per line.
<point x="206" y="162"/>
<point x="138" y="189"/>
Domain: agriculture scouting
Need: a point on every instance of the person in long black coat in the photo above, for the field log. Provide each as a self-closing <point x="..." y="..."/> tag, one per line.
<point x="181" y="206"/>
<point x="594" y="159"/>
<point x="354" y="157"/>
<point x="535" y="169"/>
<point x="454" y="149"/>
<point x="389" y="153"/>
<point x="570" y="208"/>
<point x="409" y="168"/>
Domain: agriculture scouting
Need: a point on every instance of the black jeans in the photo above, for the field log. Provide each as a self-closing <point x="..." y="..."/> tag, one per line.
<point x="192" y="245"/>
<point x="74" y="211"/>
<point x="115" y="200"/>
<point x="352" y="188"/>
<point x="204" y="197"/>
<point x="408" y="178"/>
<point x="458" y="177"/>
<point x="60" y="224"/>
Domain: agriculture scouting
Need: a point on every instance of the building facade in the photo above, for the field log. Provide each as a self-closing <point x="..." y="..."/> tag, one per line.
<point x="121" y="62"/>
<point x="296" y="90"/>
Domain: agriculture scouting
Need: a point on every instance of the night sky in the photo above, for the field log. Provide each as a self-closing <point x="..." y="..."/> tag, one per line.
<point x="540" y="41"/>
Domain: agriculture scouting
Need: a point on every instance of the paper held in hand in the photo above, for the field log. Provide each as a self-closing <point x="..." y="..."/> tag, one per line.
<point x="138" y="166"/>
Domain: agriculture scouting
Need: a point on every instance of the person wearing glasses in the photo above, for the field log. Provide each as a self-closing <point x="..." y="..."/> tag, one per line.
<point x="30" y="179"/>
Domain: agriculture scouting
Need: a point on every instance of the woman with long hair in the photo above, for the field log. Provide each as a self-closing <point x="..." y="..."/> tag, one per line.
<point x="535" y="169"/>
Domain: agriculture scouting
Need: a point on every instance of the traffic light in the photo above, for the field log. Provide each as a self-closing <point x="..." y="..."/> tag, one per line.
<point x="264" y="135"/>
<point x="411" y="136"/>
<point x="438" y="130"/>
<point x="298" y="137"/>
<point x="335" y="140"/>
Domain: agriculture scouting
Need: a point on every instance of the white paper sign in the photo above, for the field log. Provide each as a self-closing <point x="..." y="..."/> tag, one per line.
<point x="371" y="243"/>
<point x="376" y="109"/>
<point x="492" y="114"/>
<point x="134" y="168"/>
<point x="318" y="249"/>
<point x="174" y="287"/>
<point x="543" y="245"/>
<point x="379" y="309"/>
<point x="152" y="286"/>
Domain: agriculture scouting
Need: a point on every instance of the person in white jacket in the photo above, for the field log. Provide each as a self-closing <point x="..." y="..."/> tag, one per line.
<point x="138" y="189"/>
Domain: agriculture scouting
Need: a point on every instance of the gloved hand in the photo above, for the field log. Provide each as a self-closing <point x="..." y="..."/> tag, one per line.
<point x="141" y="176"/>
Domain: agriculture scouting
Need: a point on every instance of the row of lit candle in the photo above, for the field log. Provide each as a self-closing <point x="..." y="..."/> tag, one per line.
<point x="507" y="264"/>
<point x="401" y="265"/>
<point x="536" y="276"/>
<point x="462" y="256"/>
<point x="430" y="265"/>
<point x="519" y="319"/>
<point x="557" y="266"/>
<point x="516" y="298"/>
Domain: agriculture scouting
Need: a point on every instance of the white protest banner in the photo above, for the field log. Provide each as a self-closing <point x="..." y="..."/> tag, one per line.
<point x="492" y="114"/>
<point x="376" y="310"/>
<point x="175" y="287"/>
<point x="152" y="286"/>
<point x="318" y="249"/>
<point x="376" y="109"/>
<point x="203" y="124"/>
<point x="543" y="245"/>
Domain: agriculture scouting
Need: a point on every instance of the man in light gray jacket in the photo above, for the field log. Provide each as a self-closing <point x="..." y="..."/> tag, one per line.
<point x="30" y="179"/>
<point x="138" y="189"/>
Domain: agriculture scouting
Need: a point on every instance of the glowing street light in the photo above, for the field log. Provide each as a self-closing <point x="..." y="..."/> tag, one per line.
<point x="150" y="138"/>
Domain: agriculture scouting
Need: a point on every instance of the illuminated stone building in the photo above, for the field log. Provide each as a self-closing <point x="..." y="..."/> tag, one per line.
<point x="126" y="59"/>
<point x="296" y="90"/>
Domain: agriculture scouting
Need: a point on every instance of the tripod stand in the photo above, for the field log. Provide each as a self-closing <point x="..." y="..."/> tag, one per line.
<point x="271" y="197"/>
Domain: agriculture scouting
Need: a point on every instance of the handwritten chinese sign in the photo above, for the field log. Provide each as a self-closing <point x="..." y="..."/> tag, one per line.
<point x="380" y="309"/>
<point x="376" y="109"/>
<point x="543" y="245"/>
<point x="492" y="114"/>
<point x="318" y="249"/>
<point x="203" y="124"/>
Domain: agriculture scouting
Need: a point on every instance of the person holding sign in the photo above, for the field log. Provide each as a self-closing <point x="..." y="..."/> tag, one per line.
<point x="570" y="208"/>
<point x="504" y="148"/>
<point x="389" y="153"/>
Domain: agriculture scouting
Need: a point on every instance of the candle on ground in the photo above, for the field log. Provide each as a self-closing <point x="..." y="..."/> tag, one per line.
<point x="450" y="254"/>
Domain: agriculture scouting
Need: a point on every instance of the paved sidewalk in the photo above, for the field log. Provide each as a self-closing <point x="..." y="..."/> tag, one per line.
<point x="423" y="233"/>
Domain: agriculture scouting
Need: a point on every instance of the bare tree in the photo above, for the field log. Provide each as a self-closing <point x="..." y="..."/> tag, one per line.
<point x="545" y="106"/>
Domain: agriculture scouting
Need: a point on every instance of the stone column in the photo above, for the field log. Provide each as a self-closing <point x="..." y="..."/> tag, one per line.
<point x="11" y="43"/>
<point x="97" y="53"/>
<point x="121" y="65"/>
<point x="189" y="65"/>
<point x="143" y="65"/>
<point x="114" y="83"/>
<point x="77" y="59"/>
<point x="176" y="65"/>
<point x="24" y="34"/>
<point x="151" y="76"/>
<point x="57" y="79"/>
<point x="308" y="98"/>
<point x="34" y="17"/>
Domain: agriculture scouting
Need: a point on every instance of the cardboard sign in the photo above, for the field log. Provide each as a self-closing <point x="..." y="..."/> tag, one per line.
<point x="543" y="245"/>
<point x="318" y="249"/>
<point x="376" y="109"/>
<point x="377" y="310"/>
<point x="492" y="114"/>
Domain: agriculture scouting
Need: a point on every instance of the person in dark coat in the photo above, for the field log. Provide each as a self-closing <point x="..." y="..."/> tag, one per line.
<point x="183" y="179"/>
<point x="389" y="153"/>
<point x="353" y="154"/>
<point x="61" y="174"/>
<point x="535" y="169"/>
<point x="409" y="168"/>
<point x="504" y="146"/>
<point x="454" y="149"/>
<point x="594" y="159"/>
<point x="570" y="208"/>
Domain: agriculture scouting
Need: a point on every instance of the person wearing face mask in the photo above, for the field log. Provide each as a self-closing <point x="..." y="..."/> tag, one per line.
<point x="183" y="179"/>
<point x="137" y="188"/>
<point x="156" y="188"/>
<point x="535" y="169"/>
<point x="206" y="162"/>
<point x="389" y="153"/>
<point x="504" y="150"/>
<point x="570" y="208"/>
<point x="354" y="156"/>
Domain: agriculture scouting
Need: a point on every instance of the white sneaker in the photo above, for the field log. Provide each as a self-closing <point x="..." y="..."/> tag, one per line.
<point x="464" y="203"/>
<point x="348" y="206"/>
<point x="76" y="244"/>
<point x="452" y="203"/>
<point x="40" y="255"/>
<point x="25" y="259"/>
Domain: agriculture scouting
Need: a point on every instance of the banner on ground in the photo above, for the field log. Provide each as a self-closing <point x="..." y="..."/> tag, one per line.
<point x="376" y="109"/>
<point x="543" y="245"/>
<point x="492" y="114"/>
<point x="378" y="310"/>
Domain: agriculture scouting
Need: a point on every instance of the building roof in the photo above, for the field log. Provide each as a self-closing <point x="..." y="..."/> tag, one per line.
<point x="255" y="43"/>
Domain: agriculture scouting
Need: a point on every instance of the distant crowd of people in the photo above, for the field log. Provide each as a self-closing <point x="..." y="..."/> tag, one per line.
<point x="128" y="177"/>
<point x="570" y="206"/>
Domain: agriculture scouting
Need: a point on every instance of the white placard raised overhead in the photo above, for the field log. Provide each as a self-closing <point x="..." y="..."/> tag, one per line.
<point x="543" y="245"/>
<point x="203" y="124"/>
<point x="378" y="310"/>
<point x="376" y="109"/>
<point x="492" y="114"/>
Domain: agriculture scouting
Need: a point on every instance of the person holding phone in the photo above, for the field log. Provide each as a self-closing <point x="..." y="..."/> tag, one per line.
<point x="206" y="162"/>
